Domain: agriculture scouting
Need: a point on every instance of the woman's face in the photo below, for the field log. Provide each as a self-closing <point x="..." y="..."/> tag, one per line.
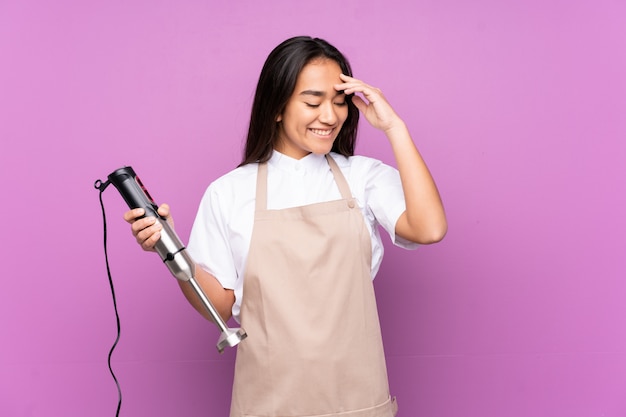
<point x="314" y="113"/>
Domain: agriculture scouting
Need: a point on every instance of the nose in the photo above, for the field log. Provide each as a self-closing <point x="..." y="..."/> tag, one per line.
<point x="328" y="114"/>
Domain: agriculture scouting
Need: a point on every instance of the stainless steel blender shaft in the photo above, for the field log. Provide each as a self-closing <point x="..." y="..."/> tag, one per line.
<point x="228" y="337"/>
<point x="182" y="267"/>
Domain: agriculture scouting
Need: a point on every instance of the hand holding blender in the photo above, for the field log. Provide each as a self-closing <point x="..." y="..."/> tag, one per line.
<point x="170" y="249"/>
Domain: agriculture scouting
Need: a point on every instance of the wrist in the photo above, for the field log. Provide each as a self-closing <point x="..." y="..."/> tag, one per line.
<point x="396" y="129"/>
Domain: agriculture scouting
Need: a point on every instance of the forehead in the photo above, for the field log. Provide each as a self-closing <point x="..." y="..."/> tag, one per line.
<point x="319" y="74"/>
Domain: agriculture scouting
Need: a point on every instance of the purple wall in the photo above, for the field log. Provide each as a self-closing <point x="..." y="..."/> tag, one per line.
<point x="518" y="107"/>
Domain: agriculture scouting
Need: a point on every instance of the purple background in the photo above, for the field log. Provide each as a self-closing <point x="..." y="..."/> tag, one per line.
<point x="518" y="107"/>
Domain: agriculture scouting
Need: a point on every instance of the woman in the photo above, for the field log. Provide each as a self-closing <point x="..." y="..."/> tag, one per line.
<point x="288" y="242"/>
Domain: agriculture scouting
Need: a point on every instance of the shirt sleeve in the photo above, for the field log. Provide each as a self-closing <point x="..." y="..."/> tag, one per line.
<point x="385" y="199"/>
<point x="209" y="243"/>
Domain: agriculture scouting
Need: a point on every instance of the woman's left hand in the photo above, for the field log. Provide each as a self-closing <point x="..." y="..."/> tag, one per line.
<point x="376" y="109"/>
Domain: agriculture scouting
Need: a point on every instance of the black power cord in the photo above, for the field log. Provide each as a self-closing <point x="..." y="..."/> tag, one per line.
<point x="99" y="185"/>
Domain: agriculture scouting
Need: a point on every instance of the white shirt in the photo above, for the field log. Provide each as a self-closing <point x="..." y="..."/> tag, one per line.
<point x="221" y="233"/>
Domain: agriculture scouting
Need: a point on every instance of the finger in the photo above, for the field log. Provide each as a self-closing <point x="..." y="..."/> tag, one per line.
<point x="348" y="83"/>
<point x="132" y="215"/>
<point x="359" y="103"/>
<point x="164" y="210"/>
<point x="149" y="236"/>
<point x="142" y="224"/>
<point x="347" y="78"/>
<point x="351" y="82"/>
<point x="149" y="243"/>
<point x="372" y="94"/>
<point x="350" y="87"/>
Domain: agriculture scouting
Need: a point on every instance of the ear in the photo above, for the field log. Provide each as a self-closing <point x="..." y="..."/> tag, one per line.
<point x="279" y="118"/>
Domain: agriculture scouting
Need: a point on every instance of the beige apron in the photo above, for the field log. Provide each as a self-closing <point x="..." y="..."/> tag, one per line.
<point x="314" y="346"/>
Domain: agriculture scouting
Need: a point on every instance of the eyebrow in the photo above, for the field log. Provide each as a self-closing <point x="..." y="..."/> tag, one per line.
<point x="317" y="93"/>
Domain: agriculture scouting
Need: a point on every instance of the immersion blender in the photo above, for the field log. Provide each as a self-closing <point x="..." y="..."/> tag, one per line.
<point x="171" y="250"/>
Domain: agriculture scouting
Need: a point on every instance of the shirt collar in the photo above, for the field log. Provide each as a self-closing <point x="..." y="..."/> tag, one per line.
<point x="310" y="163"/>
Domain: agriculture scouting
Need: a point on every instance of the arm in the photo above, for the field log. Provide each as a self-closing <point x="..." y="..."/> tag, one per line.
<point x="147" y="233"/>
<point x="424" y="220"/>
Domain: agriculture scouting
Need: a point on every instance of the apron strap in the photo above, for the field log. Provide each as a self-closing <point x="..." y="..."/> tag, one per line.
<point x="261" y="188"/>
<point x="344" y="188"/>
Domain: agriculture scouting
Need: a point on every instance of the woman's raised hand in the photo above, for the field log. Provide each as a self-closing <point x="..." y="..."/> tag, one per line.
<point x="375" y="108"/>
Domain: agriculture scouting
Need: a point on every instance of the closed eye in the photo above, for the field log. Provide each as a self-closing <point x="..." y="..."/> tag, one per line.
<point x="314" y="106"/>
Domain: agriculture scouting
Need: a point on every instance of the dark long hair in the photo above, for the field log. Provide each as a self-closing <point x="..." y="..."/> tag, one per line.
<point x="276" y="84"/>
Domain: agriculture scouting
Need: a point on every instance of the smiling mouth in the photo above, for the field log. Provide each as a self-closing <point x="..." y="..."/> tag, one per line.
<point x="322" y="132"/>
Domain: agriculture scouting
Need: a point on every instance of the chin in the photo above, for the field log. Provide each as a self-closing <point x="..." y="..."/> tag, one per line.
<point x="323" y="150"/>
